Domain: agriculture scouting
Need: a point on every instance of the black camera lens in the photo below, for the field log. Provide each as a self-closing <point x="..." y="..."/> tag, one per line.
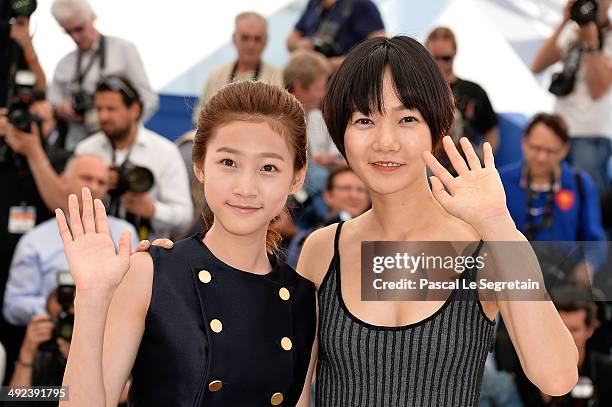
<point x="584" y="11"/>
<point x="82" y="102"/>
<point x="19" y="116"/>
<point x="64" y="326"/>
<point x="138" y="179"/>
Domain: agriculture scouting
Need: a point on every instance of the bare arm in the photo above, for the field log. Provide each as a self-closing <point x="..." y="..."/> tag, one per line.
<point x="297" y="40"/>
<point x="20" y="32"/>
<point x="545" y="347"/>
<point x="113" y="293"/>
<point x="48" y="182"/>
<point x="598" y="65"/>
<point x="549" y="52"/>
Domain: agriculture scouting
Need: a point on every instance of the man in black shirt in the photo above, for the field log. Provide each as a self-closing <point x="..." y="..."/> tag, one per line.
<point x="478" y="120"/>
<point x="21" y="206"/>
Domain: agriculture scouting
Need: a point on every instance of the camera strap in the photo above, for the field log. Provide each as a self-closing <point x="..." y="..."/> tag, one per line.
<point x="324" y="23"/>
<point x="235" y="68"/>
<point x="99" y="55"/>
<point x="532" y="228"/>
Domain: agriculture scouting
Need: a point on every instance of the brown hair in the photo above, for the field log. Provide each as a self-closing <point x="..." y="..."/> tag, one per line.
<point x="553" y="121"/>
<point x="303" y="68"/>
<point x="442" y="33"/>
<point x="253" y="101"/>
<point x="334" y="173"/>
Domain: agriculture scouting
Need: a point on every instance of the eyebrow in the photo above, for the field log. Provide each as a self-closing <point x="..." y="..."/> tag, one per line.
<point x="267" y="154"/>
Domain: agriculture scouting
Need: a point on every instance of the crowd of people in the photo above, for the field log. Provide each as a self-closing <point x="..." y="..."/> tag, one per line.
<point x="84" y="128"/>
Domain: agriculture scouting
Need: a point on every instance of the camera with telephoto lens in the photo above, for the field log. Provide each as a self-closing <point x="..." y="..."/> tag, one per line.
<point x="82" y="101"/>
<point x="23" y="97"/>
<point x="66" y="290"/>
<point x="133" y="178"/>
<point x="584" y="11"/>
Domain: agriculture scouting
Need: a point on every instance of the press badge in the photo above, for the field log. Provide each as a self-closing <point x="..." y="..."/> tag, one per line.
<point x="22" y="219"/>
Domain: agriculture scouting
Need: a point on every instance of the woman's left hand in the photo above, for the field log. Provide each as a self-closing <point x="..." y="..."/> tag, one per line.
<point x="476" y="195"/>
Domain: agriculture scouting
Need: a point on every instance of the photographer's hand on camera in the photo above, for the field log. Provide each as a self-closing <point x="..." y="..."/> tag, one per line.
<point x="65" y="111"/>
<point x="139" y="204"/>
<point x="27" y="144"/>
<point x="39" y="330"/>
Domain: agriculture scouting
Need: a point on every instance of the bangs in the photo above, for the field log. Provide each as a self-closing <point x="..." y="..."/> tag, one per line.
<point x="357" y="85"/>
<point x="369" y="98"/>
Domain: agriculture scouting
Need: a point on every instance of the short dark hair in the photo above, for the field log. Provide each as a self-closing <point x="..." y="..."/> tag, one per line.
<point x="123" y="86"/>
<point x="418" y="81"/>
<point x="553" y="121"/>
<point x="334" y="173"/>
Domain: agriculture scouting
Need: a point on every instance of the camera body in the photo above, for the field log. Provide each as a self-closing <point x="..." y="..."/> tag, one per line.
<point x="584" y="11"/>
<point x="66" y="290"/>
<point x="327" y="48"/>
<point x="133" y="178"/>
<point x="82" y="101"/>
<point x="23" y="96"/>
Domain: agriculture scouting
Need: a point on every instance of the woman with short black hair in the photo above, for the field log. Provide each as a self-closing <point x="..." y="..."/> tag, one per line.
<point x="387" y="107"/>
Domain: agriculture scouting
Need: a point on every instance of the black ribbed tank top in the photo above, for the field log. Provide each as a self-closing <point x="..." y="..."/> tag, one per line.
<point x="437" y="362"/>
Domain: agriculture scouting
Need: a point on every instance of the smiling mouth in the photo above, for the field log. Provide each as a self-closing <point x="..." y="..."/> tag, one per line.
<point x="386" y="165"/>
<point x="244" y="208"/>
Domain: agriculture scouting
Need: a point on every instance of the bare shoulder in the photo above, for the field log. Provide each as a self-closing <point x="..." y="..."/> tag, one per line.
<point x="135" y="288"/>
<point x="316" y="254"/>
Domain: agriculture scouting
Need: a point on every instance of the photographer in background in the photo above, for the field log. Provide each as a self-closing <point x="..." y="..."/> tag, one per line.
<point x="583" y="42"/>
<point x="39" y="256"/>
<point x="249" y="38"/>
<point x="77" y="74"/>
<point x="332" y="27"/>
<point x="475" y="117"/>
<point x="24" y="157"/>
<point x="149" y="183"/>
<point x="16" y="49"/>
<point x="45" y="348"/>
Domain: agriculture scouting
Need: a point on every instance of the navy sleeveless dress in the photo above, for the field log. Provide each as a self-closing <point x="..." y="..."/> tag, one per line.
<point x="218" y="336"/>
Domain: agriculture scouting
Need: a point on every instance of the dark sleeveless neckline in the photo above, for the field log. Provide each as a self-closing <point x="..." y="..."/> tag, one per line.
<point x="335" y="263"/>
<point x="199" y="237"/>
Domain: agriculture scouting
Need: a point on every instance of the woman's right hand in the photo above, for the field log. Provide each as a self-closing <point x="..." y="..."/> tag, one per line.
<point x="94" y="264"/>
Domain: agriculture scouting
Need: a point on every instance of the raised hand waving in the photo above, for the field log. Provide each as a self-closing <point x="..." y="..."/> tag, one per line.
<point x="93" y="261"/>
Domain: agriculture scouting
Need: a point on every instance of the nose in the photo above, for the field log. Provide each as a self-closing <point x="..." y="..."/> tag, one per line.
<point x="246" y="185"/>
<point x="386" y="139"/>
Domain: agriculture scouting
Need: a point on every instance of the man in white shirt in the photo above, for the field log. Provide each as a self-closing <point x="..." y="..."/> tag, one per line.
<point x="79" y="71"/>
<point x="587" y="105"/>
<point x="249" y="38"/>
<point x="165" y="210"/>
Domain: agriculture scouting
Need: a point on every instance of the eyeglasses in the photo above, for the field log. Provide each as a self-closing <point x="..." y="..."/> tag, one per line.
<point x="347" y="188"/>
<point x="445" y="58"/>
<point x="76" y="30"/>
<point x="540" y="149"/>
<point x="258" y="39"/>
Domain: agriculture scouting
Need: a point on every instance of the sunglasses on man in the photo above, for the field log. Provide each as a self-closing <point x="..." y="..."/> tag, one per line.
<point x="445" y="58"/>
